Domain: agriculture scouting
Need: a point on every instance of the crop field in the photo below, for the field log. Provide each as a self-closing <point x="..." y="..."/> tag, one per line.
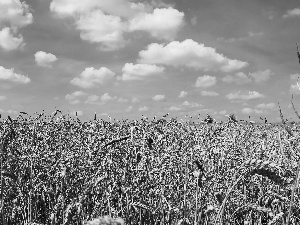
<point x="60" y="170"/>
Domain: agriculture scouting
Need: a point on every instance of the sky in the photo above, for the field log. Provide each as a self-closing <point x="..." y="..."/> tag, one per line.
<point x="132" y="58"/>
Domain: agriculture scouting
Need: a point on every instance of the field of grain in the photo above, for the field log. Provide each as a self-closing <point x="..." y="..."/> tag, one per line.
<point x="60" y="170"/>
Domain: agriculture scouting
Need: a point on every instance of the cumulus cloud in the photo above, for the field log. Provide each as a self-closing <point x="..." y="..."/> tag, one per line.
<point x="251" y="111"/>
<point x="91" y="77"/>
<point x="295" y="89"/>
<point x="79" y="113"/>
<point x="8" y="41"/>
<point x="134" y="100"/>
<point x="106" y="97"/>
<point x="144" y="109"/>
<point x="191" y="54"/>
<point x="15" y="12"/>
<point x="162" y="23"/>
<point x="106" y="21"/>
<point x="261" y="76"/>
<point x="266" y="106"/>
<point x="140" y="71"/>
<point x="159" y="98"/>
<point x="10" y="75"/>
<point x="44" y="59"/>
<point x="123" y="100"/>
<point x="92" y="99"/>
<point x="2" y="98"/>
<point x="129" y="109"/>
<point x="250" y="96"/>
<point x="209" y="93"/>
<point x="191" y="104"/>
<point x="73" y="97"/>
<point x="96" y="27"/>
<point x="205" y="81"/>
<point x="238" y="78"/>
<point x="127" y="9"/>
<point x="174" y="108"/>
<point x="292" y="13"/>
<point x="182" y="94"/>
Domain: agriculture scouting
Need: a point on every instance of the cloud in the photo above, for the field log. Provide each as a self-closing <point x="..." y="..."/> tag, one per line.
<point x="174" y="108"/>
<point x="2" y="98"/>
<point x="191" y="54"/>
<point x="129" y="109"/>
<point x="66" y="8"/>
<point x="96" y="27"/>
<point x="44" y="59"/>
<point x="15" y="12"/>
<point x="261" y="76"/>
<point x="238" y="78"/>
<point x="232" y="40"/>
<point x="182" y="94"/>
<point x="134" y="100"/>
<point x="292" y="13"/>
<point x="265" y="106"/>
<point x="123" y="100"/>
<point x="91" y="77"/>
<point x="144" y="109"/>
<point x="250" y="96"/>
<point x="295" y="89"/>
<point x="209" y="93"/>
<point x="9" y="74"/>
<point x="159" y="98"/>
<point x="72" y="98"/>
<point x="8" y="42"/>
<point x="251" y="111"/>
<point x="106" y="97"/>
<point x="205" y="81"/>
<point x="162" y="23"/>
<point x="92" y="99"/>
<point x="140" y="71"/>
<point x="191" y="104"/>
<point x="79" y="113"/>
<point x="294" y="76"/>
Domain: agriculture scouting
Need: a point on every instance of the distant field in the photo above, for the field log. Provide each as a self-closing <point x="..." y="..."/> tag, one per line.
<point x="65" y="171"/>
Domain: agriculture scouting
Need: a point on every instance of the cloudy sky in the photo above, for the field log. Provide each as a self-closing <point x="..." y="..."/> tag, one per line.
<point x="127" y="58"/>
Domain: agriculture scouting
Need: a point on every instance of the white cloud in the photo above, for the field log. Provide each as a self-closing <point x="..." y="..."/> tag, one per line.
<point x="8" y="42"/>
<point x="140" y="71"/>
<point x="265" y="106"/>
<point x="127" y="9"/>
<point x="292" y="13"/>
<point x="251" y="111"/>
<point x="162" y="23"/>
<point x="129" y="109"/>
<point x="123" y="100"/>
<point x="134" y="100"/>
<point x="15" y="12"/>
<point x="261" y="76"/>
<point x="96" y="27"/>
<point x="238" y="78"/>
<point x="191" y="54"/>
<point x="182" y="94"/>
<point x="205" y="81"/>
<point x="209" y="93"/>
<point x="191" y="104"/>
<point x="223" y="112"/>
<point x="92" y="99"/>
<point x="249" y="35"/>
<point x="295" y="89"/>
<point x="9" y="74"/>
<point x="2" y="98"/>
<point x="73" y="98"/>
<point x="159" y="98"/>
<point x="106" y="97"/>
<point x="44" y="59"/>
<point x="174" y="108"/>
<point x="91" y="76"/>
<point x="144" y="109"/>
<point x="250" y="96"/>
<point x="79" y="113"/>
